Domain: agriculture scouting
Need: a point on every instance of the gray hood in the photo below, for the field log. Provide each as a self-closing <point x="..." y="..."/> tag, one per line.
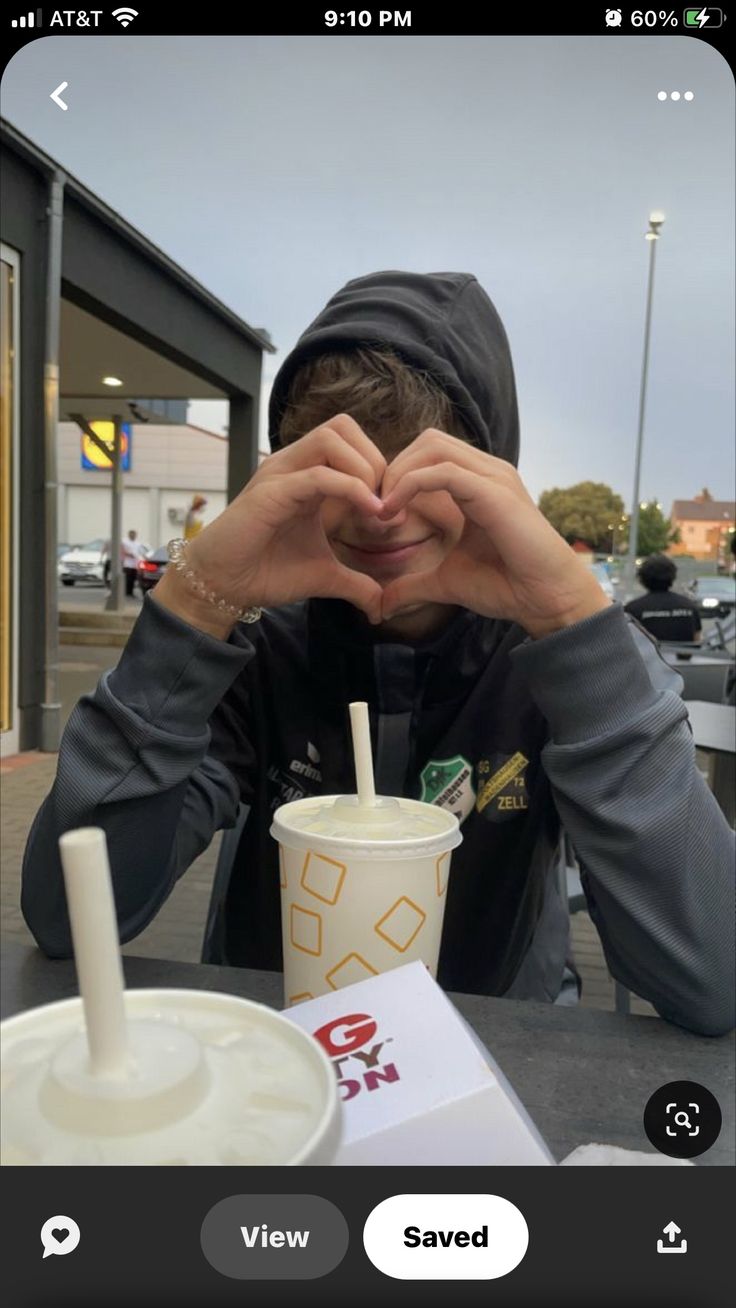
<point x="443" y="323"/>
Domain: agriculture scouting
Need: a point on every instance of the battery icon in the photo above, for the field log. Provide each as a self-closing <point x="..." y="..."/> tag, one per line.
<point x="703" y="17"/>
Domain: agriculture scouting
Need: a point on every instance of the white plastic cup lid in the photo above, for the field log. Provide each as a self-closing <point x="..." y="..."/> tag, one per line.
<point x="397" y="828"/>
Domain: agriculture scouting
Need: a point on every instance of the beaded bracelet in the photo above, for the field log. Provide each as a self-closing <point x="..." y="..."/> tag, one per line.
<point x="177" y="551"/>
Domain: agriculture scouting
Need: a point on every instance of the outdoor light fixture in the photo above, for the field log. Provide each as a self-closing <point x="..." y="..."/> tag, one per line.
<point x="111" y="381"/>
<point x="655" y="222"/>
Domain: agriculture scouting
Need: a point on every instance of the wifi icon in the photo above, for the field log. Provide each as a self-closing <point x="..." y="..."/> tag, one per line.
<point x="125" y="16"/>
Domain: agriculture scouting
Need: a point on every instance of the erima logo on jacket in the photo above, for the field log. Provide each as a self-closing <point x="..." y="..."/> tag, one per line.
<point x="289" y="789"/>
<point x="307" y="769"/>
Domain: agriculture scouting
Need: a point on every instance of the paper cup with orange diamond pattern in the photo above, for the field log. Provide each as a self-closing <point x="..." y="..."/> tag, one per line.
<point x="361" y="892"/>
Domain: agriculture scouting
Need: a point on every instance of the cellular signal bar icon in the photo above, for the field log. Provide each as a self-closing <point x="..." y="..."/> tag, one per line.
<point x="32" y="20"/>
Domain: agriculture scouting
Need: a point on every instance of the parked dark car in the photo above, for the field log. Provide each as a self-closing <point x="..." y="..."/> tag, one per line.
<point x="714" y="596"/>
<point x="152" y="569"/>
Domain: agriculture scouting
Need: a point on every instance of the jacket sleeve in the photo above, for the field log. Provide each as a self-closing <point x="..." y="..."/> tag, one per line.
<point x="656" y="852"/>
<point x="134" y="759"/>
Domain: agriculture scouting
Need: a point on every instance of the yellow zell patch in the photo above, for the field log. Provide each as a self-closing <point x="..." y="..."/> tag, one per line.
<point x="511" y="768"/>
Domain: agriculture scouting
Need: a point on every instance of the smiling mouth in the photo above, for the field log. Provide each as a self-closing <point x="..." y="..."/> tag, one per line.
<point x="384" y="552"/>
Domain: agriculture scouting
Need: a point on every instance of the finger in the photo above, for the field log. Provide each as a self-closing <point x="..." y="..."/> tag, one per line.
<point x="438" y="447"/>
<point x="332" y="580"/>
<point x="466" y="488"/>
<point x="308" y="488"/>
<point x="413" y="588"/>
<point x="326" y="446"/>
<point x="352" y="432"/>
<point x="434" y="446"/>
<point x="362" y="591"/>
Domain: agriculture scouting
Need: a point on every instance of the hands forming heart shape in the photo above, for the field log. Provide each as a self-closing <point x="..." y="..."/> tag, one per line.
<point x="305" y="526"/>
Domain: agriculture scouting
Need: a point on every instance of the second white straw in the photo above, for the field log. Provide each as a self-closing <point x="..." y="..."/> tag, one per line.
<point x="96" y="948"/>
<point x="360" y="725"/>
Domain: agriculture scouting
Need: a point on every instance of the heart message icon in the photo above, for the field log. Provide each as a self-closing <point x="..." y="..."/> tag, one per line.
<point x="58" y="1239"/>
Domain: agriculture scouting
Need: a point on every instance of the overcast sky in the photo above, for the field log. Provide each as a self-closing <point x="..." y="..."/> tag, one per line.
<point x="274" y="169"/>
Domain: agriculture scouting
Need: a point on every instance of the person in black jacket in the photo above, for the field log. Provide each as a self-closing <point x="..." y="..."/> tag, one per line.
<point x="398" y="558"/>
<point x="662" y="611"/>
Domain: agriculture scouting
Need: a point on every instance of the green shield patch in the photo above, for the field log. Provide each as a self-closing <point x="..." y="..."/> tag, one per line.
<point x="448" y="782"/>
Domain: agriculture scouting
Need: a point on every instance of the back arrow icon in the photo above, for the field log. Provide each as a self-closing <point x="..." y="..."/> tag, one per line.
<point x="56" y="95"/>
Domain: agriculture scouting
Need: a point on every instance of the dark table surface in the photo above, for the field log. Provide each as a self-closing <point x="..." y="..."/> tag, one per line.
<point x="584" y="1076"/>
<point x="700" y="659"/>
<point x="714" y="725"/>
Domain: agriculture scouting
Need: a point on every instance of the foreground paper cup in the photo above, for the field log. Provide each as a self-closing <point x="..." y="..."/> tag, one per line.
<point x="217" y="1080"/>
<point x="362" y="890"/>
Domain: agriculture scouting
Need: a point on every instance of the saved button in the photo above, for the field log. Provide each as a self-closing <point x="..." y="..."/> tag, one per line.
<point x="445" y="1237"/>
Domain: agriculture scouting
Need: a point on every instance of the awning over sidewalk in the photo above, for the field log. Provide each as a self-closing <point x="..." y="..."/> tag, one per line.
<point x="96" y="299"/>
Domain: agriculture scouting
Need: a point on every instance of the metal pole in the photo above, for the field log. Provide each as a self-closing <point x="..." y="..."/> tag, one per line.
<point x="50" y="732"/>
<point x="630" y="570"/>
<point x="116" y="598"/>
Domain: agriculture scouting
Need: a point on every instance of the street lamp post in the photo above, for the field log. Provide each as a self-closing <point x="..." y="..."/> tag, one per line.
<point x="614" y="528"/>
<point x="655" y="222"/>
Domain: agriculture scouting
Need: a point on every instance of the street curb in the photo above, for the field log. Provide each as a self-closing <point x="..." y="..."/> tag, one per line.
<point x="93" y="636"/>
<point x="95" y="627"/>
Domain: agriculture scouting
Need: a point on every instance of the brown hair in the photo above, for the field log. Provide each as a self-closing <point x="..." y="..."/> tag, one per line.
<point x="392" y="402"/>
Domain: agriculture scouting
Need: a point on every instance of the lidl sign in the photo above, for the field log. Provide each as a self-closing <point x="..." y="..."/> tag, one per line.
<point x="93" y="457"/>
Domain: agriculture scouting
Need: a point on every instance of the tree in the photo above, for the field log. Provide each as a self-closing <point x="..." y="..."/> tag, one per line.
<point x="655" y="532"/>
<point x="590" y="511"/>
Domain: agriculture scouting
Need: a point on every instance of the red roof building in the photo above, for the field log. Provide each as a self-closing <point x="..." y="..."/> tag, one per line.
<point x="706" y="526"/>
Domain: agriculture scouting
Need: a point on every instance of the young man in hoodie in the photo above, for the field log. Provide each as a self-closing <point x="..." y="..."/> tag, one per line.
<point x="398" y="559"/>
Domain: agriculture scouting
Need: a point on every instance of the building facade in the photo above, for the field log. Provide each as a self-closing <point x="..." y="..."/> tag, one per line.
<point x="167" y="466"/>
<point x="706" y="527"/>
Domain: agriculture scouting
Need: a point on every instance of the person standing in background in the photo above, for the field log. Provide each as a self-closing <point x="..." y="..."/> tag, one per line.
<point x="663" y="612"/>
<point x="131" y="551"/>
<point x="193" y="523"/>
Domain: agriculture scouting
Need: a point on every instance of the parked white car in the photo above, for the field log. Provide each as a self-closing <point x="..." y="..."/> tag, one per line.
<point x="90" y="562"/>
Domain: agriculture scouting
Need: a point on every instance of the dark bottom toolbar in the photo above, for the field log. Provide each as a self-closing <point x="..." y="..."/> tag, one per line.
<point x="651" y="1237"/>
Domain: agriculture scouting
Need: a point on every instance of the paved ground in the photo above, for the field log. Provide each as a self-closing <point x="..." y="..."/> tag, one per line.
<point x="177" y="931"/>
<point x="85" y="595"/>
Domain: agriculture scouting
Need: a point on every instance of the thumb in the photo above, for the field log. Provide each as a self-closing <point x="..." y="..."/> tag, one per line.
<point x="358" y="589"/>
<point x="414" y="588"/>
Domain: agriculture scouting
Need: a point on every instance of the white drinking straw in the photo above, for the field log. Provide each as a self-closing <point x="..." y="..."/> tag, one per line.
<point x="96" y="948"/>
<point x="361" y="730"/>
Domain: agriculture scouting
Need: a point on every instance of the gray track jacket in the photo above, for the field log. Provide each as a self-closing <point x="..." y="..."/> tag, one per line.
<point x="187" y="727"/>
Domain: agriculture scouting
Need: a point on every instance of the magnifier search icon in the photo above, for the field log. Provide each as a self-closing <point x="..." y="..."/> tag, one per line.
<point x="681" y="1117"/>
